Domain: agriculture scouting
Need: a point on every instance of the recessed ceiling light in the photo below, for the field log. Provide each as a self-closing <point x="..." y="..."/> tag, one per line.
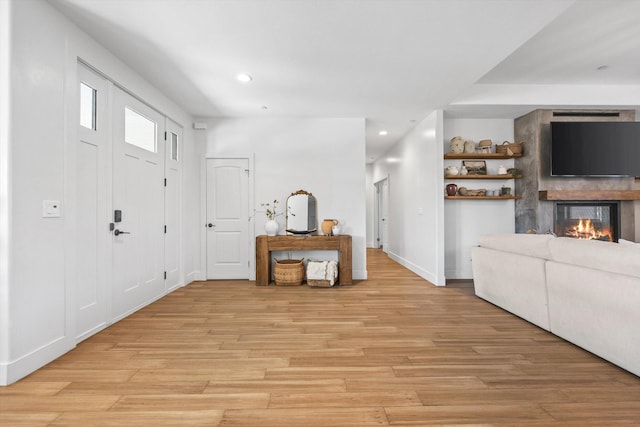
<point x="244" y="78"/>
<point x="382" y="133"/>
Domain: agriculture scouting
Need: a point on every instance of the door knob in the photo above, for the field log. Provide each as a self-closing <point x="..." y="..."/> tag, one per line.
<point x="118" y="232"/>
<point x="210" y="225"/>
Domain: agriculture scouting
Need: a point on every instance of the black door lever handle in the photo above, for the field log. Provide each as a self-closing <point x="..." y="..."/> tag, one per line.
<point x="118" y="232"/>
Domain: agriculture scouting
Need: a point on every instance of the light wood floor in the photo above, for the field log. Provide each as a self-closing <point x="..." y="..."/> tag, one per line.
<point x="393" y="350"/>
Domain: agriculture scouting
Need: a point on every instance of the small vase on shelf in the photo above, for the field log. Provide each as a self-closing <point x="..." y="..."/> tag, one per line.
<point x="327" y="226"/>
<point x="271" y="227"/>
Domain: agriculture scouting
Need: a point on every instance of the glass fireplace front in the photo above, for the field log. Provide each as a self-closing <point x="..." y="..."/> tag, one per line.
<point x="586" y="220"/>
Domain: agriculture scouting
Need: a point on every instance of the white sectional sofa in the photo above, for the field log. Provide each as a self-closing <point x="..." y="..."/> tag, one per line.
<point x="585" y="291"/>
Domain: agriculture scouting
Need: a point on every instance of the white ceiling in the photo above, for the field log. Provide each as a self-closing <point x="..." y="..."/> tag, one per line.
<point x="389" y="61"/>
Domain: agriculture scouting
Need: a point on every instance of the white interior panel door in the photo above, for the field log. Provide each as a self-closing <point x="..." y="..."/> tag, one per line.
<point x="227" y="218"/>
<point x="92" y="237"/>
<point x="382" y="214"/>
<point x="138" y="194"/>
<point x="172" y="174"/>
<point x="385" y="216"/>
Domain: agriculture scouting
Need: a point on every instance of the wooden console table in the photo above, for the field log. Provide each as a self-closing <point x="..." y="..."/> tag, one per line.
<point x="266" y="244"/>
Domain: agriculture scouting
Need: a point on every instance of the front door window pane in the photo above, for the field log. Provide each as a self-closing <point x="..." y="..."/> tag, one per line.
<point x="174" y="146"/>
<point x="139" y="130"/>
<point x="87" y="106"/>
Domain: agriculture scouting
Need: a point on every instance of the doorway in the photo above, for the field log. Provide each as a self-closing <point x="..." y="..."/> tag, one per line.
<point x="138" y="204"/>
<point x="227" y="218"/>
<point x="381" y="215"/>
<point x="92" y="177"/>
<point x="127" y="189"/>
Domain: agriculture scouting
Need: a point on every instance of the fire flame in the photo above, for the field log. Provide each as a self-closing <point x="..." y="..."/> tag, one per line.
<point x="585" y="229"/>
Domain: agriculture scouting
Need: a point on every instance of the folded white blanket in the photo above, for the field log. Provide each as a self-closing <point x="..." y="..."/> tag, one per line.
<point x="332" y="272"/>
<point x="316" y="270"/>
<point x="322" y="270"/>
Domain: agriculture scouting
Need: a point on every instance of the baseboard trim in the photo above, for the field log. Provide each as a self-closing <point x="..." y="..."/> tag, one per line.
<point x="359" y="274"/>
<point x="427" y="275"/>
<point x="29" y="363"/>
<point x="194" y="276"/>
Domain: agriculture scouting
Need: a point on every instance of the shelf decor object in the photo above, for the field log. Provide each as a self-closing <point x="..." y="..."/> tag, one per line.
<point x="509" y="148"/>
<point x="488" y="156"/>
<point x="476" y="165"/>
<point x="482" y="197"/>
<point x="506" y="176"/>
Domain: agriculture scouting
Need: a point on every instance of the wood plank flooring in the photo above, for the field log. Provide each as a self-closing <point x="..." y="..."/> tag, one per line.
<point x="392" y="350"/>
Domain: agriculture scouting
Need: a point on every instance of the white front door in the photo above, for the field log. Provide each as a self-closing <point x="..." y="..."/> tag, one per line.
<point x="227" y="219"/>
<point x="92" y="244"/>
<point x="138" y="204"/>
<point x="172" y="174"/>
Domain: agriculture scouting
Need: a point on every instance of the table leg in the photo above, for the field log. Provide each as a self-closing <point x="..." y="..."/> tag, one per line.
<point x="262" y="261"/>
<point x="344" y="262"/>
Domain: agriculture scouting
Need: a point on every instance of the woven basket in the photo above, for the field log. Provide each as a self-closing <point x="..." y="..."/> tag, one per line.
<point x="319" y="283"/>
<point x="288" y="272"/>
<point x="515" y="147"/>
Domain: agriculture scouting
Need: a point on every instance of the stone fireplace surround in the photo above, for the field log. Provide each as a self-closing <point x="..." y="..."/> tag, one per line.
<point x="539" y="190"/>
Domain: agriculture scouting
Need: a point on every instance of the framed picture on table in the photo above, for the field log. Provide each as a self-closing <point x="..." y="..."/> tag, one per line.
<point x="475" y="167"/>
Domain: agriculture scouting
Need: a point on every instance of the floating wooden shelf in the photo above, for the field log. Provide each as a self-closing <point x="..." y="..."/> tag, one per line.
<point x="482" y="197"/>
<point x="472" y="156"/>
<point x="506" y="176"/>
<point x="589" y="195"/>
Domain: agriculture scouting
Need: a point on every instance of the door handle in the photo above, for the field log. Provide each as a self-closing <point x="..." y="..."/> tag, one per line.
<point x="117" y="232"/>
<point x="211" y="225"/>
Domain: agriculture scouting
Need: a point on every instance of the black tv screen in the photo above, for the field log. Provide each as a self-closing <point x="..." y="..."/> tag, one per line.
<point x="595" y="148"/>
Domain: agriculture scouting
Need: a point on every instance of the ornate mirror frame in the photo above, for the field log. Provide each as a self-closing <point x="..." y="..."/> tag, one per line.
<point x="301" y="213"/>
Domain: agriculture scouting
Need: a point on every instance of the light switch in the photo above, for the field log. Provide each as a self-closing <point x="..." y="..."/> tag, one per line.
<point x="51" y="209"/>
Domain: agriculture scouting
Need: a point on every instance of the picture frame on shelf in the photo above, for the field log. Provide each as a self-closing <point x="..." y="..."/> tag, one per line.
<point x="475" y="167"/>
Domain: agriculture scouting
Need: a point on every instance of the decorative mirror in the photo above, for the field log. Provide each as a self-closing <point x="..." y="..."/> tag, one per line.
<point x="301" y="213"/>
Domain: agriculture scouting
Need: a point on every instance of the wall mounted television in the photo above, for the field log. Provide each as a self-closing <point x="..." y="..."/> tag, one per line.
<point x="595" y="149"/>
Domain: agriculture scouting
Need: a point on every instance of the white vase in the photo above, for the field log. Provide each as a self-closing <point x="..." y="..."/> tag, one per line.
<point x="271" y="227"/>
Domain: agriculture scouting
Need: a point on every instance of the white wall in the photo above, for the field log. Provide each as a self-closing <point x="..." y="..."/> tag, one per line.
<point x="37" y="321"/>
<point x="5" y="174"/>
<point x="324" y="156"/>
<point x="466" y="220"/>
<point x="414" y="167"/>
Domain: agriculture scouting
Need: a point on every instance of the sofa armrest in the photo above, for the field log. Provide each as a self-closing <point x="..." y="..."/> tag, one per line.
<point x="514" y="282"/>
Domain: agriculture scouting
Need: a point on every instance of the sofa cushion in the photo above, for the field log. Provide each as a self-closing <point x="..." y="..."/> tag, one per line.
<point x="605" y="256"/>
<point x="536" y="245"/>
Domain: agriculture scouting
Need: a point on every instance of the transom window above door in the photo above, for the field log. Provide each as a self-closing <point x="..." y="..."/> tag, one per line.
<point x="139" y="130"/>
